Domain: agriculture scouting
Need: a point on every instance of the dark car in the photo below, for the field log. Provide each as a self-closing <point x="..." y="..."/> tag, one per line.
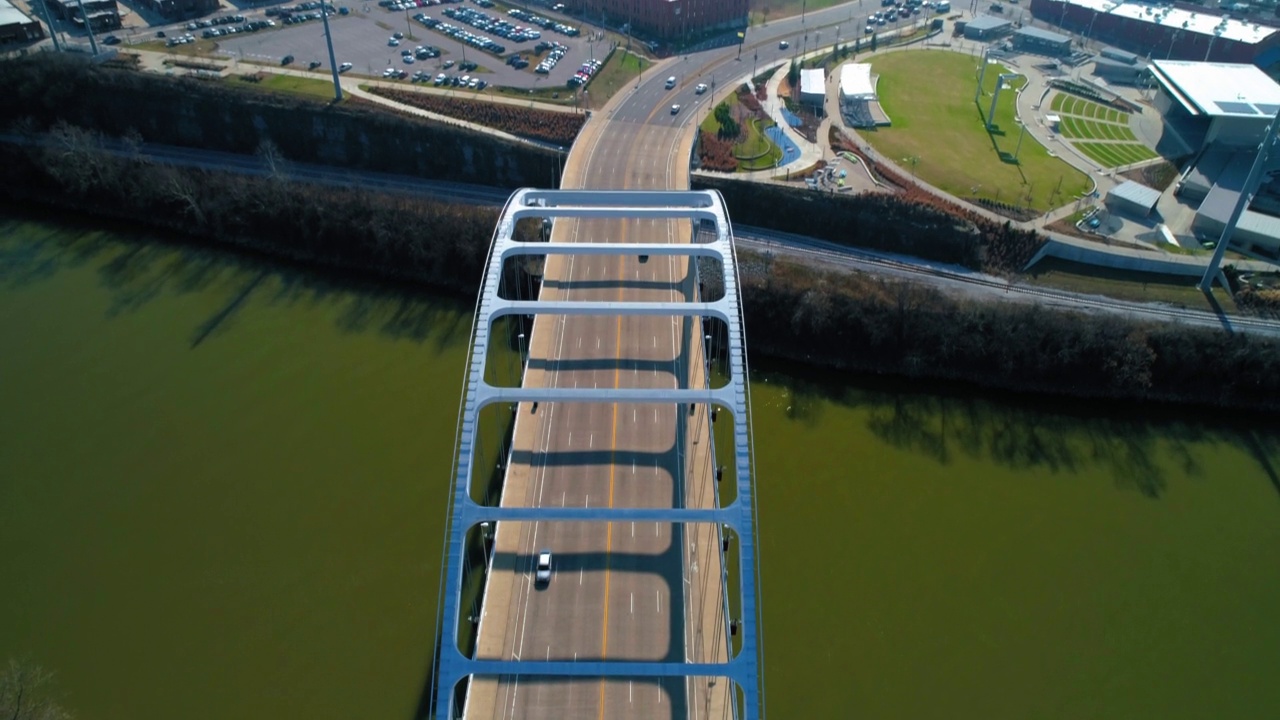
<point x="286" y="59"/>
<point x="111" y="40"/>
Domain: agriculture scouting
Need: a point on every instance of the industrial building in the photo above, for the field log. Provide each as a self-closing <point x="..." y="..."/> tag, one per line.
<point x="1121" y="73"/>
<point x="103" y="14"/>
<point x="1222" y="111"/>
<point x="987" y="27"/>
<point x="16" y="27"/>
<point x="813" y="87"/>
<point x="1132" y="198"/>
<point x="670" y="20"/>
<point x="1164" y="31"/>
<point x="1041" y="42"/>
<point x="180" y="9"/>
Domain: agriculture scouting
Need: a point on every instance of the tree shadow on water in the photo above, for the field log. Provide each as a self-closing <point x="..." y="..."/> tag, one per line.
<point x="137" y="270"/>
<point x="1136" y="445"/>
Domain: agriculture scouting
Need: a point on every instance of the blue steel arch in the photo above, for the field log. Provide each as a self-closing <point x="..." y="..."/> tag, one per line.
<point x="450" y="665"/>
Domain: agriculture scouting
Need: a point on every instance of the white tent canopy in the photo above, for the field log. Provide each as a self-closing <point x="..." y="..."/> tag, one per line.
<point x="855" y="82"/>
<point x="813" y="85"/>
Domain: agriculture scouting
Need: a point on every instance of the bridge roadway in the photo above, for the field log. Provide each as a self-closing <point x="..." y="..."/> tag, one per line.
<point x="642" y="591"/>
<point x="619" y="591"/>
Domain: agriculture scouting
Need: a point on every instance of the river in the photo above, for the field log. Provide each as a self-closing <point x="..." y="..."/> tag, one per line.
<point x="222" y="488"/>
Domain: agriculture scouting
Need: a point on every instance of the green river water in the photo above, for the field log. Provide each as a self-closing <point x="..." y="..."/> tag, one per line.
<point x="222" y="486"/>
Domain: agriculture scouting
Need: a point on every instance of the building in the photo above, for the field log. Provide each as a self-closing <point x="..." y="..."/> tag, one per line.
<point x="16" y="26"/>
<point x="1164" y="31"/>
<point x="103" y="14"/>
<point x="1222" y="112"/>
<point x="180" y="9"/>
<point x="987" y="27"/>
<point x="1116" y="72"/>
<point x="813" y="87"/>
<point x="859" y="106"/>
<point x="1216" y="103"/>
<point x="1041" y="42"/>
<point x="1132" y="198"/>
<point x="671" y="20"/>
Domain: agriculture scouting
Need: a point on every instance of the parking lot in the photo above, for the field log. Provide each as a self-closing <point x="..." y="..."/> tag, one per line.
<point x="363" y="38"/>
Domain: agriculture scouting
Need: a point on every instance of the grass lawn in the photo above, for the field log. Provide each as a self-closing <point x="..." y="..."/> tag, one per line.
<point x="1115" y="154"/>
<point x="1141" y="287"/>
<point x="937" y="121"/>
<point x="310" y="87"/>
<point x="619" y="71"/>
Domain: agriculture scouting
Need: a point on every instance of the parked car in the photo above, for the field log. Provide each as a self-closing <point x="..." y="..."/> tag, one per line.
<point x="286" y="59"/>
<point x="345" y="67"/>
<point x="111" y="40"/>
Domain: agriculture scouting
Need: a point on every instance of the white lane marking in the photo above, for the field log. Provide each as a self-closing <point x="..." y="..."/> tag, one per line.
<point x="629" y="684"/>
<point x="591" y="440"/>
<point x="597" y="342"/>
<point x="579" y="341"/>
<point x="633" y="603"/>
<point x="562" y="497"/>
<point x="580" y="576"/>
<point x="570" y="443"/>
<point x="633" y="415"/>
<point x="658" y="597"/>
<point x="587" y="502"/>
<point x="633" y="528"/>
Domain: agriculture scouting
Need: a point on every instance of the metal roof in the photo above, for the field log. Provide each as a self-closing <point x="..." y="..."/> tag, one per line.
<point x="813" y="82"/>
<point x="1136" y="193"/>
<point x="10" y="15"/>
<point x="855" y="81"/>
<point x="987" y="22"/>
<point x="1045" y="35"/>
<point x="1199" y="22"/>
<point x="1216" y="89"/>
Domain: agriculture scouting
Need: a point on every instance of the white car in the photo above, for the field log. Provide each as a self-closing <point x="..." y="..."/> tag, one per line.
<point x="675" y="108"/>
<point x="542" y="575"/>
<point x="345" y="67"/>
<point x="393" y="42"/>
<point x="700" y="88"/>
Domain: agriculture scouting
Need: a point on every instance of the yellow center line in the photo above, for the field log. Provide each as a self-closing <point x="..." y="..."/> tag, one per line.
<point x="613" y="467"/>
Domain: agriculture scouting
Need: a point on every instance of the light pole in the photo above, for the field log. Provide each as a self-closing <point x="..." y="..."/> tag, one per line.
<point x="912" y="160"/>
<point x="1018" y="149"/>
<point x="53" y="33"/>
<point x="333" y="64"/>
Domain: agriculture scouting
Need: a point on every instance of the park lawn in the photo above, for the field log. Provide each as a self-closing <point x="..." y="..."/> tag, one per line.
<point x="288" y="84"/>
<point x="937" y="121"/>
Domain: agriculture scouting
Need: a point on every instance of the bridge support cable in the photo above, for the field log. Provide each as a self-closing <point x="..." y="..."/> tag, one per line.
<point x="706" y="211"/>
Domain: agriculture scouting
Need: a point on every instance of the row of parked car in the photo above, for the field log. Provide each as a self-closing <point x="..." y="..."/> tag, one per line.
<point x="549" y="62"/>
<point x="180" y="40"/>
<point x="248" y="27"/>
<point x="210" y="22"/>
<point x="479" y="42"/>
<point x="410" y="4"/>
<point x="483" y="21"/>
<point x="543" y="22"/>
<point x="584" y="73"/>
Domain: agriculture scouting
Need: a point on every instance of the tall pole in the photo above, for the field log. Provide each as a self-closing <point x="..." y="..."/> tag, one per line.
<point x="1246" y="195"/>
<point x="328" y="40"/>
<point x="88" y="27"/>
<point x="53" y="32"/>
<point x="982" y="74"/>
<point x="1018" y="149"/>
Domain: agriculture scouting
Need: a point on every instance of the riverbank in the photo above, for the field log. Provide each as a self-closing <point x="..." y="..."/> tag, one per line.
<point x="834" y="320"/>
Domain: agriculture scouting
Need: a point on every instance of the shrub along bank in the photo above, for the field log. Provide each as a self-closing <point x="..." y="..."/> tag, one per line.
<point x="46" y="88"/>
<point x="838" y="320"/>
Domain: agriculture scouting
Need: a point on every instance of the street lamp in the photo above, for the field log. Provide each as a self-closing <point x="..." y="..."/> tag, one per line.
<point x="912" y="160"/>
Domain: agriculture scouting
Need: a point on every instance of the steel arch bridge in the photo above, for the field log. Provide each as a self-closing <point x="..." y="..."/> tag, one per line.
<point x="706" y="213"/>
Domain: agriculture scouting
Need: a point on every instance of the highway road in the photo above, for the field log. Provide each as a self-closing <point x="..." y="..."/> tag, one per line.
<point x="634" y="593"/>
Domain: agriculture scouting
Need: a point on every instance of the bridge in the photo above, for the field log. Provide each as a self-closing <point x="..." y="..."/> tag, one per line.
<point x="606" y="419"/>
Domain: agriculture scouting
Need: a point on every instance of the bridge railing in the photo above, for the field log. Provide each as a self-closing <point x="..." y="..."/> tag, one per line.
<point x="450" y="665"/>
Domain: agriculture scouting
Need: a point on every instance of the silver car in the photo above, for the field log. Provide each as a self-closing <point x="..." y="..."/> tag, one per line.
<point x="542" y="575"/>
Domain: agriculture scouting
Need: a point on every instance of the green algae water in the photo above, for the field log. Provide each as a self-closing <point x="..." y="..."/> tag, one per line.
<point x="222" y="484"/>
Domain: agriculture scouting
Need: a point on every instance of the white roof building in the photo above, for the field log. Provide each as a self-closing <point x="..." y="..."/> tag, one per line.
<point x="1219" y="89"/>
<point x="855" y="81"/>
<point x="1179" y="19"/>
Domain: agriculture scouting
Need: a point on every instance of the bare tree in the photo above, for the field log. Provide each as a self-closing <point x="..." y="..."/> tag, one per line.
<point x="24" y="693"/>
